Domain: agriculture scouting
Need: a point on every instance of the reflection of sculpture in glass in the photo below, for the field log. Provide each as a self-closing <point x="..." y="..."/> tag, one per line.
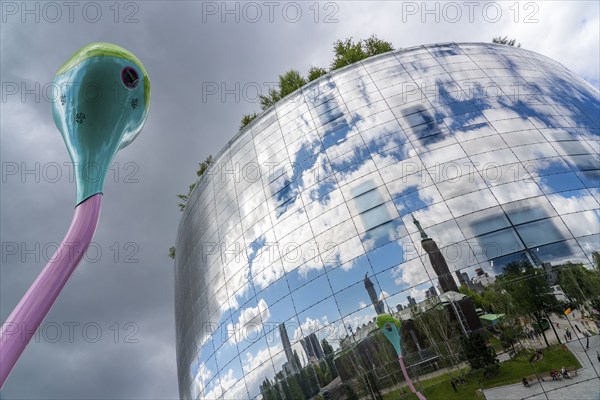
<point x="390" y="327"/>
<point x="104" y="94"/>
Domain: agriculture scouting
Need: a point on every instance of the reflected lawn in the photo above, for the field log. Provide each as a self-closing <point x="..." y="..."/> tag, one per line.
<point x="511" y="371"/>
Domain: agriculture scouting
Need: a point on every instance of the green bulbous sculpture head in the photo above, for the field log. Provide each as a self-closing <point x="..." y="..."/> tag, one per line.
<point x="390" y="327"/>
<point x="101" y="100"/>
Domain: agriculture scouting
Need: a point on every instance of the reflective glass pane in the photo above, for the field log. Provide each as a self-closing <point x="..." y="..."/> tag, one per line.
<point x="542" y="232"/>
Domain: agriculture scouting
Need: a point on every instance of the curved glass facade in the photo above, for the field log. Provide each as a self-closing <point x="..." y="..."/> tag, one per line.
<point x="394" y="179"/>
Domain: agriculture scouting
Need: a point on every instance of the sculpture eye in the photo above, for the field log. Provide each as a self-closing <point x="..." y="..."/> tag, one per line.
<point x="388" y="327"/>
<point x="129" y="77"/>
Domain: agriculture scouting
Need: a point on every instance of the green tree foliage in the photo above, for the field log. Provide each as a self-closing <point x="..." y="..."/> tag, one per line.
<point x="498" y="300"/>
<point x="348" y="52"/>
<point x="510" y="333"/>
<point x="286" y="388"/>
<point x="350" y="393"/>
<point x="373" y="46"/>
<point x="308" y="382"/>
<point x="439" y="329"/>
<point x="184" y="197"/>
<point x="596" y="259"/>
<point x="475" y="297"/>
<point x="323" y="373"/>
<point x="271" y="98"/>
<point x="295" y="391"/>
<point x="581" y="285"/>
<point x="479" y="354"/>
<point x="312" y="379"/>
<point x="203" y="166"/>
<point x="288" y="83"/>
<point x="246" y="119"/>
<point x="315" y="73"/>
<point x="505" y="40"/>
<point x="304" y="382"/>
<point x="529" y="290"/>
<point x="329" y="354"/>
<point x="327" y="348"/>
<point x="269" y="391"/>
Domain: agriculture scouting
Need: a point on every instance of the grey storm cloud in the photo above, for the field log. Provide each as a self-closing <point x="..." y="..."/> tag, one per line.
<point x="111" y="333"/>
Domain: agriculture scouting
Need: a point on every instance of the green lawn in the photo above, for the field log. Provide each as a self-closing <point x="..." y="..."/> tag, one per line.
<point x="512" y="371"/>
<point x="495" y="343"/>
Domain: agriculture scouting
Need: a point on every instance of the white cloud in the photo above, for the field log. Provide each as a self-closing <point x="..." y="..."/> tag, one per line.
<point x="309" y="326"/>
<point x="564" y="31"/>
<point x="250" y="322"/>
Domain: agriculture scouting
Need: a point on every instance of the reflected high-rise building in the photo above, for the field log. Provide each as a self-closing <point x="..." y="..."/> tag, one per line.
<point x="438" y="262"/>
<point x="291" y="364"/>
<point x="431" y="292"/>
<point x="492" y="149"/>
<point x="312" y="347"/>
<point x="411" y="301"/>
<point x="377" y="303"/>
<point x="463" y="278"/>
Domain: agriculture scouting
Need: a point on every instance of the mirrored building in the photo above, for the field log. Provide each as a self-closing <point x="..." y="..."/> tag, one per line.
<point x="379" y="187"/>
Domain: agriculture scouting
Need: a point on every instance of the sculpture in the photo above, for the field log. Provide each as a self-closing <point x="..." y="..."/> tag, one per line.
<point x="101" y="100"/>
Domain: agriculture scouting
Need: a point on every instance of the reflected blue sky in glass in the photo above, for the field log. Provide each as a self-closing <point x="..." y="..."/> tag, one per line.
<point x="560" y="182"/>
<point x="589" y="178"/>
<point x="386" y="256"/>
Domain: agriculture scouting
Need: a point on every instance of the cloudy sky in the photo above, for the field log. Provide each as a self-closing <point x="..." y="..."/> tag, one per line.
<point x="111" y="333"/>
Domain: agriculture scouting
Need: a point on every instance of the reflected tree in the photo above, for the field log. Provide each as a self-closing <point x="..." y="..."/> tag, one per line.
<point x="371" y="365"/>
<point x="323" y="373"/>
<point x="479" y="354"/>
<point x="529" y="290"/>
<point x="329" y="355"/>
<point x="580" y="285"/>
<point x="475" y="297"/>
<point x="510" y="331"/>
<point x="350" y="393"/>
<point x="500" y="301"/>
<point x="439" y="330"/>
<point x="270" y="391"/>
<point x="596" y="259"/>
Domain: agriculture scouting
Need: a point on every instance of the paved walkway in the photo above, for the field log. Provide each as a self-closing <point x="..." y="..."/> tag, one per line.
<point x="584" y="386"/>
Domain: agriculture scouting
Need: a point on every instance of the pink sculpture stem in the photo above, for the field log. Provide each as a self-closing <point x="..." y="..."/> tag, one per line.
<point x="408" y="381"/>
<point x="27" y="316"/>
